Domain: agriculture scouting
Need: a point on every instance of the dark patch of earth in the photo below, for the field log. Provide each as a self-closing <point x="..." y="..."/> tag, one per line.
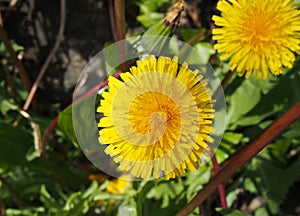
<point x="87" y="29"/>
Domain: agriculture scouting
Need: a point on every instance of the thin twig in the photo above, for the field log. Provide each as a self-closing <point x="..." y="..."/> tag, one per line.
<point x="36" y="132"/>
<point x="47" y="133"/>
<point x="243" y="155"/>
<point x="119" y="6"/>
<point x="50" y="55"/>
<point x="18" y="63"/>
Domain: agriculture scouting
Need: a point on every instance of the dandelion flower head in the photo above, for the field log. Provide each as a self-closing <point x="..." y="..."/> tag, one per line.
<point x="157" y="119"/>
<point x="259" y="36"/>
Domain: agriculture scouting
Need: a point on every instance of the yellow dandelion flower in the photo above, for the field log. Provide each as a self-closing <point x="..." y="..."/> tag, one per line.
<point x="157" y="119"/>
<point x="118" y="185"/>
<point x="259" y="36"/>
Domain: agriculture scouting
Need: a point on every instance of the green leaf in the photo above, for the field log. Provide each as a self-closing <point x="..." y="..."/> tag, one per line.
<point x="204" y="52"/>
<point x="228" y="145"/>
<point x="293" y="131"/>
<point x="230" y="212"/>
<point x="187" y="34"/>
<point x="166" y="198"/>
<point x="15" y="46"/>
<point x="231" y="197"/>
<point x="148" y="6"/>
<point x="111" y="61"/>
<point x="148" y="12"/>
<point x="243" y="100"/>
<point x="93" y="187"/>
<point x="141" y="196"/>
<point x="15" y="143"/>
<point x="233" y="138"/>
<point x="7" y="105"/>
<point x="105" y="195"/>
<point x="150" y="19"/>
<point x="195" y="180"/>
<point x="31" y="211"/>
<point x="47" y="199"/>
<point x="249" y="183"/>
<point x="277" y="185"/>
<point x="262" y="211"/>
<point x="276" y="96"/>
<point x="65" y="124"/>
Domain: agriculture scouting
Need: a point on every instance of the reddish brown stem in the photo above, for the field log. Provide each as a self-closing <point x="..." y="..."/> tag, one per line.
<point x="47" y="133"/>
<point x="221" y="187"/>
<point x="242" y="156"/>
<point x="119" y="6"/>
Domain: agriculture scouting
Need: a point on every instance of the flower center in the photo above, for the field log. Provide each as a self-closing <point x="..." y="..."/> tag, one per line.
<point x="153" y="112"/>
<point x="260" y="28"/>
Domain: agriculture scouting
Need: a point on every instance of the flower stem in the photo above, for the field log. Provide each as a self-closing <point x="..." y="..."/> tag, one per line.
<point x="243" y="155"/>
<point x="119" y="9"/>
<point x="221" y="187"/>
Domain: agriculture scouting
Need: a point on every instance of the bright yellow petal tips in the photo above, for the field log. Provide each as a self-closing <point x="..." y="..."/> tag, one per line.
<point x="259" y="36"/>
<point x="157" y="119"/>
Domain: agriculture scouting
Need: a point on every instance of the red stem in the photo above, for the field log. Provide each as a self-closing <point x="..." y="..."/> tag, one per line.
<point x="242" y="156"/>
<point x="221" y="187"/>
<point x="216" y="167"/>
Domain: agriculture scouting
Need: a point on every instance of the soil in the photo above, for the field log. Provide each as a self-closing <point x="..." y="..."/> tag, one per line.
<point x="87" y="30"/>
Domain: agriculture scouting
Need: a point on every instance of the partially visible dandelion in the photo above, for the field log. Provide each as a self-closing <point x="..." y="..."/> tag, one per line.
<point x="157" y="119"/>
<point x="259" y="36"/>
